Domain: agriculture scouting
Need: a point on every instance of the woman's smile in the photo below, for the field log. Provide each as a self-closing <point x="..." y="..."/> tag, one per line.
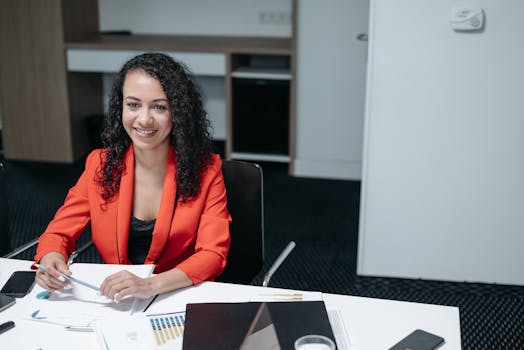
<point x="145" y="132"/>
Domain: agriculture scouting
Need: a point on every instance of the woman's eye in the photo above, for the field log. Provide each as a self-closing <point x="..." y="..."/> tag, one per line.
<point x="160" y="108"/>
<point x="132" y="105"/>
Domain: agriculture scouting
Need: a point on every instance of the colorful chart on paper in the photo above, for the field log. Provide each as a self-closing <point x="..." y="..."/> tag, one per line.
<point x="167" y="328"/>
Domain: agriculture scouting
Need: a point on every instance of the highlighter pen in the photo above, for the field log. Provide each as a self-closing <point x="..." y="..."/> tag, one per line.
<point x="76" y="280"/>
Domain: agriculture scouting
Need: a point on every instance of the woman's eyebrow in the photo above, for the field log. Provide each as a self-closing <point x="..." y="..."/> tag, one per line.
<point x="155" y="100"/>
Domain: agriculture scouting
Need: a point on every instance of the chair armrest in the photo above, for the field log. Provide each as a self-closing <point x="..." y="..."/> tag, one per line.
<point x="22" y="248"/>
<point x="34" y="242"/>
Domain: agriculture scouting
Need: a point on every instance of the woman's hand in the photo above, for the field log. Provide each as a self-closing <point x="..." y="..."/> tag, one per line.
<point x="55" y="266"/>
<point x="124" y="283"/>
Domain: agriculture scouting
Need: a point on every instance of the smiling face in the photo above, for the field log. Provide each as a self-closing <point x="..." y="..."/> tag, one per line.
<point x="146" y="114"/>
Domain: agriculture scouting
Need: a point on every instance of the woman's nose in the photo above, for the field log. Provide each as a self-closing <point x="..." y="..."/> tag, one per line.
<point x="145" y="118"/>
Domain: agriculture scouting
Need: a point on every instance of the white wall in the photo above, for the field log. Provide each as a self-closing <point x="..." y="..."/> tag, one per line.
<point x="443" y="181"/>
<point x="198" y="17"/>
<point x="331" y="79"/>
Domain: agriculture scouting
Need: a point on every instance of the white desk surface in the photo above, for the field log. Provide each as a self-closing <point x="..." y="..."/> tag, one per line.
<point x="371" y="323"/>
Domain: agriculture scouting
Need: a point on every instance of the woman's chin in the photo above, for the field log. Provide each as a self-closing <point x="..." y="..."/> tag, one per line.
<point x="149" y="144"/>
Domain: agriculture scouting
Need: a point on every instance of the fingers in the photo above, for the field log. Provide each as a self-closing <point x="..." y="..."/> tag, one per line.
<point x="114" y="284"/>
<point x="123" y="293"/>
<point x="110" y="285"/>
<point x="52" y="278"/>
<point x="49" y="282"/>
<point x="55" y="264"/>
<point x="123" y="284"/>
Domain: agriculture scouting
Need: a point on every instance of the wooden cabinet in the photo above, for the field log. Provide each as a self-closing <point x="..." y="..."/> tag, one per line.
<point x="43" y="107"/>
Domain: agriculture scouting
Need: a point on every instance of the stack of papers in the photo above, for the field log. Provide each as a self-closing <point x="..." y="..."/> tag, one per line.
<point x="65" y="308"/>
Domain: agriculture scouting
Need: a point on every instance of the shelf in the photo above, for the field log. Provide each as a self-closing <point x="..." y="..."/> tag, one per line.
<point x="261" y="157"/>
<point x="110" y="61"/>
<point x="192" y="43"/>
<point x="262" y="73"/>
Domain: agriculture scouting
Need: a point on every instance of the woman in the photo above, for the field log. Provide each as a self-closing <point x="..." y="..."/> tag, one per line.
<point x="154" y="194"/>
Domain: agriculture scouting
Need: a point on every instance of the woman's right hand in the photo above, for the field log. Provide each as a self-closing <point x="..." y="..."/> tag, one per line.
<point x="55" y="266"/>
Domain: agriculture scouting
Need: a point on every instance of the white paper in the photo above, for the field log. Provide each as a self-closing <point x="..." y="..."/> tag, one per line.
<point x="130" y="333"/>
<point x="140" y="332"/>
<point x="65" y="308"/>
<point x="95" y="274"/>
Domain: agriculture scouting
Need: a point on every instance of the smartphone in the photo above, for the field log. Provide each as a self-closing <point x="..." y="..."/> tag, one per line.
<point x="19" y="284"/>
<point x="6" y="301"/>
<point x="419" y="340"/>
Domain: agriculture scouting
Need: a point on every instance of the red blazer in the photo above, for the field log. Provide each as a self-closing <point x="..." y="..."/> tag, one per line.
<point x="192" y="236"/>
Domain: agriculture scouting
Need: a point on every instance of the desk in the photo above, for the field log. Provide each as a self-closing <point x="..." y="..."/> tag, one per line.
<point x="371" y="323"/>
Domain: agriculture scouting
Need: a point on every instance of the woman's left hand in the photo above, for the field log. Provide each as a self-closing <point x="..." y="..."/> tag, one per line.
<point x="124" y="283"/>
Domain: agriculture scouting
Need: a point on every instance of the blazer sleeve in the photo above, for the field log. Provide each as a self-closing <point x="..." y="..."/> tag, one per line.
<point x="213" y="237"/>
<point x="72" y="217"/>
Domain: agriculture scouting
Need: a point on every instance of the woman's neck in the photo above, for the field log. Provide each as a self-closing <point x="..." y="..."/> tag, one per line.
<point x="152" y="159"/>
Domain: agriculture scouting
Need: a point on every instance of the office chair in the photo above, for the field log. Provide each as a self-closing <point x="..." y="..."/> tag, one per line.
<point x="5" y="244"/>
<point x="245" y="202"/>
<point x="6" y="250"/>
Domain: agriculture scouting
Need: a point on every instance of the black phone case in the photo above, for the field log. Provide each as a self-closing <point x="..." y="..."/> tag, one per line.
<point x="19" y="284"/>
<point x="419" y="340"/>
<point x="6" y="301"/>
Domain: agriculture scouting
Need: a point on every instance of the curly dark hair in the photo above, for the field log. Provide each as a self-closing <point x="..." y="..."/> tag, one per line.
<point x="190" y="135"/>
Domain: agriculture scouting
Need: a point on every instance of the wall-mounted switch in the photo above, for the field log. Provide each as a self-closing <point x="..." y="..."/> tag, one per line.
<point x="274" y="18"/>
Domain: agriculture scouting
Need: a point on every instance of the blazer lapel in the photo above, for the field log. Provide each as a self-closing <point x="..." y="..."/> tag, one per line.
<point x="165" y="213"/>
<point x="125" y="206"/>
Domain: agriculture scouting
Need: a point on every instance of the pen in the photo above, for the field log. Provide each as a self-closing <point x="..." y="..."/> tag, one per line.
<point x="150" y="303"/>
<point x="6" y="326"/>
<point x="43" y="269"/>
<point x="71" y="278"/>
<point x="76" y="280"/>
<point x="79" y="328"/>
<point x="282" y="295"/>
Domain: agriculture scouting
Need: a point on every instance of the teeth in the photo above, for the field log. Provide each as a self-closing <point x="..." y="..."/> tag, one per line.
<point x="145" y="132"/>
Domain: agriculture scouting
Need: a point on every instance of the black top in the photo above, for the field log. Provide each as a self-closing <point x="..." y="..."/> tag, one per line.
<point x="140" y="236"/>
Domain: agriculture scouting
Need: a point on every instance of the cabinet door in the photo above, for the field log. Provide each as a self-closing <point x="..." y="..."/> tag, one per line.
<point x="331" y="83"/>
<point x="261" y="116"/>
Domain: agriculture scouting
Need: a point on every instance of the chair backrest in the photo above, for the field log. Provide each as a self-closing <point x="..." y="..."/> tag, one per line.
<point x="5" y="245"/>
<point x="245" y="201"/>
